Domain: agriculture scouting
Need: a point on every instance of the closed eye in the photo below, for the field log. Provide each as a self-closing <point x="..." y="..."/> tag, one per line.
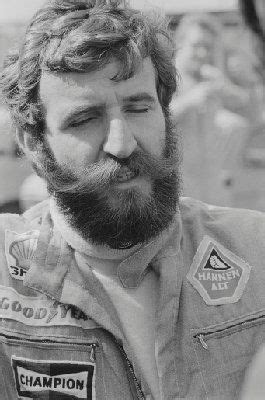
<point x="137" y="110"/>
<point x="80" y="122"/>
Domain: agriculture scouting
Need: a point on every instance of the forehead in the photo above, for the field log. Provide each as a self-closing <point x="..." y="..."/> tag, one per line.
<point x="96" y="86"/>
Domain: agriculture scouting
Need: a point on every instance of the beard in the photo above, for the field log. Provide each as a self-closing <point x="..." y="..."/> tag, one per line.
<point x="102" y="213"/>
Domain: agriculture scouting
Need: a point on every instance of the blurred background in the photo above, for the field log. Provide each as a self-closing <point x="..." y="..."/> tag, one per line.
<point x="219" y="107"/>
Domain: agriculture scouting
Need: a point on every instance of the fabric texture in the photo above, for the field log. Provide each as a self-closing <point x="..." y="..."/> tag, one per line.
<point x="51" y="316"/>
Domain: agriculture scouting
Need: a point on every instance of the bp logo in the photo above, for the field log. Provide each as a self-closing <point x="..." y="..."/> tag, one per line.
<point x="217" y="274"/>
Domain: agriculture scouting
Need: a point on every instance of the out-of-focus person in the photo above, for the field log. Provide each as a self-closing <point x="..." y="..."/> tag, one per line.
<point x="248" y="173"/>
<point x="13" y="169"/>
<point x="204" y="109"/>
<point x="241" y="68"/>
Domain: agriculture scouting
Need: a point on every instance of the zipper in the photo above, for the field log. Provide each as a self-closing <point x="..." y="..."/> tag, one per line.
<point x="93" y="351"/>
<point x="93" y="345"/>
<point x="202" y="341"/>
<point x="140" y="394"/>
<point x="202" y="337"/>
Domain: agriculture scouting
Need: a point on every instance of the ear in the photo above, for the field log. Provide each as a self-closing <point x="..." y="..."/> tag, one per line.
<point x="26" y="142"/>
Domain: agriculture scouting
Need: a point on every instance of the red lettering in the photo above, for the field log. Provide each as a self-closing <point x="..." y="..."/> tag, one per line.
<point x="28" y="312"/>
<point x="70" y="384"/>
<point x="40" y="313"/>
<point x="16" y="306"/>
<point x="4" y="303"/>
<point x="57" y="382"/>
<point x="22" y="379"/>
<point x="47" y="382"/>
<point x="64" y="309"/>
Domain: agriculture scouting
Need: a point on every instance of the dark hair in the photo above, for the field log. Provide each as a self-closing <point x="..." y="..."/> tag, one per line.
<point x="251" y="17"/>
<point x="253" y="20"/>
<point x="83" y="36"/>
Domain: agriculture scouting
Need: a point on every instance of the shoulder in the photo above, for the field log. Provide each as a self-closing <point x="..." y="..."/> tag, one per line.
<point x="13" y="227"/>
<point x="18" y="239"/>
<point x="220" y="217"/>
<point x="241" y="231"/>
<point x="30" y="219"/>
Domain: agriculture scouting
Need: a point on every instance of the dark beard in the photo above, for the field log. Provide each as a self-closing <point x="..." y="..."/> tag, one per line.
<point x="134" y="217"/>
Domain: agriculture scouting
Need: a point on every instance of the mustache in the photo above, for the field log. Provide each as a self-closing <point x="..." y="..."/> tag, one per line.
<point x="101" y="174"/>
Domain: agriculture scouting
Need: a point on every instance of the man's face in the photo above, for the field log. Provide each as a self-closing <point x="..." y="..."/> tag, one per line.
<point x="89" y="116"/>
<point x="197" y="49"/>
<point x="111" y="137"/>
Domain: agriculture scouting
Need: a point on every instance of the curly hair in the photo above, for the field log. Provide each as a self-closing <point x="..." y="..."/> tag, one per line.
<point x="83" y="36"/>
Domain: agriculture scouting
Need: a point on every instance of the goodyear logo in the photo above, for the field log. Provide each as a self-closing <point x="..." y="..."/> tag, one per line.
<point x="40" y="311"/>
<point x="54" y="380"/>
<point x="217" y="274"/>
<point x="19" y="250"/>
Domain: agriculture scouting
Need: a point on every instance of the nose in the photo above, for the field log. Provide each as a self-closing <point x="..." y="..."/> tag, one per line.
<point x="120" y="142"/>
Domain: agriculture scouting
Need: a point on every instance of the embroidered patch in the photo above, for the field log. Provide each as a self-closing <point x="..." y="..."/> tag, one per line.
<point x="19" y="250"/>
<point x="56" y="380"/>
<point x="217" y="274"/>
<point x="40" y="311"/>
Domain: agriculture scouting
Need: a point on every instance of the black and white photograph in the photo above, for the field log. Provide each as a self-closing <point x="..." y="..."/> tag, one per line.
<point x="132" y="199"/>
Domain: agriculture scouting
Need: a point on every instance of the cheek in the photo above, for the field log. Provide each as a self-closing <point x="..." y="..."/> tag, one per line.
<point x="72" y="152"/>
<point x="154" y="134"/>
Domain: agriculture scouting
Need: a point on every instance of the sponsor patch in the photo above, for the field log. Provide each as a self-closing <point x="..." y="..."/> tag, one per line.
<point x="217" y="274"/>
<point x="19" y="250"/>
<point x="40" y="311"/>
<point x="54" y="380"/>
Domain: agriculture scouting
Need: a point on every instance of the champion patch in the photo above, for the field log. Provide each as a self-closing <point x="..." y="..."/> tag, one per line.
<point x="38" y="311"/>
<point x="217" y="274"/>
<point x="19" y="250"/>
<point x="54" y="380"/>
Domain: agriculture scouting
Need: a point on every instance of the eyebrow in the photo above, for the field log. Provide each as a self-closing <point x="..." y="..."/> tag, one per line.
<point x="144" y="96"/>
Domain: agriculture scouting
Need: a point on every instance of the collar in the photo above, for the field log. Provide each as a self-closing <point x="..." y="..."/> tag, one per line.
<point x="132" y="270"/>
<point x="133" y="262"/>
<point x="74" y="239"/>
<point x="57" y="241"/>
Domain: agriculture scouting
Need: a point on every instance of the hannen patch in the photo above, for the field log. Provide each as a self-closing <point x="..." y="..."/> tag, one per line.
<point x="19" y="250"/>
<point x="54" y="380"/>
<point x="217" y="274"/>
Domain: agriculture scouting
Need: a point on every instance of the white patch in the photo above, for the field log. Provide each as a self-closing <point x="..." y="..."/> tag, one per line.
<point x="40" y="311"/>
<point x="40" y="378"/>
<point x="217" y="274"/>
<point x="19" y="250"/>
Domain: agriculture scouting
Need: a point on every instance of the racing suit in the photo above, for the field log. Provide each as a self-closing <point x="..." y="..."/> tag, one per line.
<point x="60" y="336"/>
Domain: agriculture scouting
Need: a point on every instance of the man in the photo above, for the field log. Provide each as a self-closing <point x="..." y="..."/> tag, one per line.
<point x="116" y="288"/>
<point x="205" y="109"/>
